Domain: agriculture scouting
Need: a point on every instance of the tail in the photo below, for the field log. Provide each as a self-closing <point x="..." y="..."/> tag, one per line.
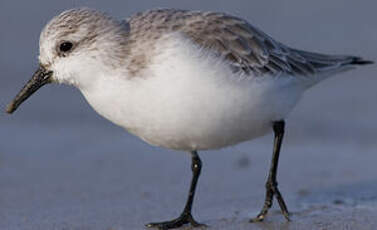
<point x="323" y="62"/>
<point x="325" y="66"/>
<point x="360" y="61"/>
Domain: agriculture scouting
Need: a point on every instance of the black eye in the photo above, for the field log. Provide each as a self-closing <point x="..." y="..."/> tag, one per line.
<point x="65" y="46"/>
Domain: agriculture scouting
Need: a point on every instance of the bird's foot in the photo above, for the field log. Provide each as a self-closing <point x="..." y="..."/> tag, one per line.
<point x="271" y="191"/>
<point x="184" y="218"/>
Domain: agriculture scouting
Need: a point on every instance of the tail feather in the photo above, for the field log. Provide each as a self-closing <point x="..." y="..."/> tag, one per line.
<point x="360" y="61"/>
<point x="325" y="66"/>
<point x="324" y="63"/>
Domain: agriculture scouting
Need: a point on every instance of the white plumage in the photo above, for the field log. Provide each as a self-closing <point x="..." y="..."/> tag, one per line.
<point x="189" y="99"/>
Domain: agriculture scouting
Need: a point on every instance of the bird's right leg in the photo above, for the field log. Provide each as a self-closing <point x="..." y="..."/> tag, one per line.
<point x="186" y="216"/>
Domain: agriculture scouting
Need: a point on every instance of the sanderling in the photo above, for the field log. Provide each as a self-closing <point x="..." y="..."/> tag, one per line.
<point x="183" y="80"/>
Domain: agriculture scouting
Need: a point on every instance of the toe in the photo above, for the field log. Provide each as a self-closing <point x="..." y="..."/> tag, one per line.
<point x="257" y="219"/>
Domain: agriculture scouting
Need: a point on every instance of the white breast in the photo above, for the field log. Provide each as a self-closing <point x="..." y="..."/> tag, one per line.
<point x="188" y="99"/>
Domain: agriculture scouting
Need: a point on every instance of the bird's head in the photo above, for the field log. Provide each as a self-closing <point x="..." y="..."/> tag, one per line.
<point x="73" y="47"/>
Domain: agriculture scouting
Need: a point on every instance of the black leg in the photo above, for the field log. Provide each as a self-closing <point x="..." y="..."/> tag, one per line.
<point x="186" y="216"/>
<point x="271" y="184"/>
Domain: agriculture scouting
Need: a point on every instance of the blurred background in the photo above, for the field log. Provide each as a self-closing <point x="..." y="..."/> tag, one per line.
<point x="64" y="167"/>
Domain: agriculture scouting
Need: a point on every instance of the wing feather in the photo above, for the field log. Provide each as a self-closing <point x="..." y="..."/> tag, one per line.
<point x="245" y="47"/>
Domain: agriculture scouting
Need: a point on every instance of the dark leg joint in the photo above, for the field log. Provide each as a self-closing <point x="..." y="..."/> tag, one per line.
<point x="196" y="165"/>
<point x="271" y="185"/>
<point x="278" y="127"/>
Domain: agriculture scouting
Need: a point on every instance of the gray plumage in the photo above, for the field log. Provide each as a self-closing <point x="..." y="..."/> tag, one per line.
<point x="246" y="48"/>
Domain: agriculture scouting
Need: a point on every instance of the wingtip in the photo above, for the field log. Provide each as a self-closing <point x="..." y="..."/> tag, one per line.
<point x="361" y="61"/>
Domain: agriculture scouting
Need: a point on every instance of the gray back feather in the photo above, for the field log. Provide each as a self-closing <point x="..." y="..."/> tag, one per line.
<point x="244" y="46"/>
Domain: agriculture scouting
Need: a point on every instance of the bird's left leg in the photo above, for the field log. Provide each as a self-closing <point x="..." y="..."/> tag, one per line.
<point x="271" y="184"/>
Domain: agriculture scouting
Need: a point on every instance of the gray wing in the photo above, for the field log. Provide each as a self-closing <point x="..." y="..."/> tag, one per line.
<point x="250" y="50"/>
<point x="244" y="46"/>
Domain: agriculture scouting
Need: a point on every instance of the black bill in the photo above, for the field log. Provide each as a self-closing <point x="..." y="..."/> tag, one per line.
<point x="39" y="79"/>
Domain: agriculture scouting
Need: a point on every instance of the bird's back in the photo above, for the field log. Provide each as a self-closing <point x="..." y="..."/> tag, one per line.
<point x="245" y="48"/>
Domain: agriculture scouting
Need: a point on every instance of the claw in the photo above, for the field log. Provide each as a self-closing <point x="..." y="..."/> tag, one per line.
<point x="176" y="223"/>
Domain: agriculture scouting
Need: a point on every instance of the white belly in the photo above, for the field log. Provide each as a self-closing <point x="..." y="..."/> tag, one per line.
<point x="190" y="100"/>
